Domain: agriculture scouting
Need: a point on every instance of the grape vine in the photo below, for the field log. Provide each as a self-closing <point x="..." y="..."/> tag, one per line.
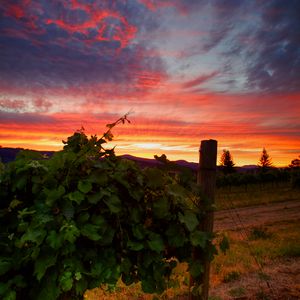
<point x="85" y="217"/>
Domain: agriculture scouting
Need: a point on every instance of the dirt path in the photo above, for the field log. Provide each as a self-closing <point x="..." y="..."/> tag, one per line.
<point x="283" y="274"/>
<point x="257" y="215"/>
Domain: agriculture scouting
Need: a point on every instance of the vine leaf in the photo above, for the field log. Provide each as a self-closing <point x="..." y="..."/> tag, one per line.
<point x="66" y="281"/>
<point x="54" y="194"/>
<point x="199" y="238"/>
<point x="76" y="196"/>
<point x="189" y="219"/>
<point x="5" y="265"/>
<point x="91" y="231"/>
<point x="196" y="268"/>
<point x="42" y="264"/>
<point x="54" y="239"/>
<point x="156" y="243"/>
<point x="114" y="204"/>
<point x="84" y="186"/>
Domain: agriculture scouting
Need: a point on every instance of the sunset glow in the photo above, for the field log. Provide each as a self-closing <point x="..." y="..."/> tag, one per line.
<point x="186" y="70"/>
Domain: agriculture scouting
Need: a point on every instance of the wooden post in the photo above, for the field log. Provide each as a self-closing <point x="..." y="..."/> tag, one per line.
<point x="206" y="178"/>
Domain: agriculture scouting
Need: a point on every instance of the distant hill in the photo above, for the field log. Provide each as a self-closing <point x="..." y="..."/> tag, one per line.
<point x="9" y="154"/>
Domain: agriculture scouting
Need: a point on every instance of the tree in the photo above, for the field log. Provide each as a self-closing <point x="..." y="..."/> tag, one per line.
<point x="265" y="161"/>
<point x="295" y="163"/>
<point x="226" y="162"/>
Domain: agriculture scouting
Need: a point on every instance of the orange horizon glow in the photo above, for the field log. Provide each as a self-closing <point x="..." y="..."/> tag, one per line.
<point x="139" y="139"/>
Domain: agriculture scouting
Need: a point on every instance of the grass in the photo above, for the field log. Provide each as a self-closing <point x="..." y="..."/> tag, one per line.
<point x="282" y="241"/>
<point x="254" y="195"/>
<point x="237" y="292"/>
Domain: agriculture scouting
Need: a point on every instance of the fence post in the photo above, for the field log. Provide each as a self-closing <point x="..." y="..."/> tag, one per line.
<point x="206" y="178"/>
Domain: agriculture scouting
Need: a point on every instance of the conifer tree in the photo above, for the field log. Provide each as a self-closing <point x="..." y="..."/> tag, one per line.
<point x="226" y="162"/>
<point x="265" y="161"/>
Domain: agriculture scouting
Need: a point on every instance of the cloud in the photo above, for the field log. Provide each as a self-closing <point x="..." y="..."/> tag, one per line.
<point x="67" y="44"/>
<point x="275" y="61"/>
<point x="199" y="80"/>
<point x="11" y="105"/>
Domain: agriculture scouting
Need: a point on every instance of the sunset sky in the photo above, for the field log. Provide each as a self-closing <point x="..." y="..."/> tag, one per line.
<point x="187" y="70"/>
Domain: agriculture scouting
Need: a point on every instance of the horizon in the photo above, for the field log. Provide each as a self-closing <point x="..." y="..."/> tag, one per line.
<point x="186" y="70"/>
<point x="152" y="158"/>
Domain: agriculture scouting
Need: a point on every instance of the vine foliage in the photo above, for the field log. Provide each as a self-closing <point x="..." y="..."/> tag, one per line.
<point x="84" y="218"/>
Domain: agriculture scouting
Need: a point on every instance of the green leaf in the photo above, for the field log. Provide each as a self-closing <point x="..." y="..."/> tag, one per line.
<point x="68" y="210"/>
<point x="35" y="235"/>
<point x="11" y="295"/>
<point x="138" y="231"/>
<point x="135" y="246"/>
<point x="95" y="198"/>
<point x="161" y="207"/>
<point x="135" y="215"/>
<point x="155" y="178"/>
<point x="3" y="288"/>
<point x="81" y="286"/>
<point x="156" y="242"/>
<point x="48" y="289"/>
<point x="148" y="285"/>
<point x="84" y="186"/>
<point x="189" y="219"/>
<point x="54" y="194"/>
<point x="5" y="265"/>
<point x="54" y="239"/>
<point x="76" y="196"/>
<point x="176" y="236"/>
<point x="199" y="238"/>
<point x="98" y="177"/>
<point x="42" y="264"/>
<point x="126" y="265"/>
<point x="177" y="191"/>
<point x="77" y="276"/>
<point x="108" y="235"/>
<point x="91" y="232"/>
<point x="70" y="232"/>
<point x="66" y="281"/>
<point x="14" y="203"/>
<point x="196" y="268"/>
<point x="224" y="244"/>
<point x="114" y="204"/>
<point x="98" y="220"/>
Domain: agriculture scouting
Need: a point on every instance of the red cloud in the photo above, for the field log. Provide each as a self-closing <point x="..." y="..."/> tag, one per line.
<point x="16" y="11"/>
<point x="110" y="25"/>
<point x="199" y="80"/>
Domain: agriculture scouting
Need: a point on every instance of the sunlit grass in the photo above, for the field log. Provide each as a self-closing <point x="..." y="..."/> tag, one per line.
<point x="280" y="240"/>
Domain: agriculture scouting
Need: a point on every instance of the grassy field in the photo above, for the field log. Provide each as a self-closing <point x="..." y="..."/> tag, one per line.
<point x="250" y="250"/>
<point x="254" y="195"/>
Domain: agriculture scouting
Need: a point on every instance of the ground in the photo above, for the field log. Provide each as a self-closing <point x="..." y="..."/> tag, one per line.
<point x="281" y="276"/>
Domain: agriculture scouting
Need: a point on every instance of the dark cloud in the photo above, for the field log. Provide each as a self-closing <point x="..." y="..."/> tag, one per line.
<point x="225" y="15"/>
<point x="68" y="43"/>
<point x="25" y="118"/>
<point x="274" y="63"/>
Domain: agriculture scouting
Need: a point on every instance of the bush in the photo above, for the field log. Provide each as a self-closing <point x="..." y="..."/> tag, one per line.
<point x="85" y="217"/>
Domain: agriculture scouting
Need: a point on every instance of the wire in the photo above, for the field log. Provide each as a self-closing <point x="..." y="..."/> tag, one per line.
<point x="237" y="220"/>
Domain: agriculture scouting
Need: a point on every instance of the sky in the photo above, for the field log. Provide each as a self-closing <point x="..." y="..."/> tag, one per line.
<point x="186" y="70"/>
